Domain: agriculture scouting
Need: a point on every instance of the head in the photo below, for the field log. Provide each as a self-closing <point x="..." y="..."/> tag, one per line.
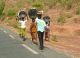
<point x="33" y="20"/>
<point x="39" y="16"/>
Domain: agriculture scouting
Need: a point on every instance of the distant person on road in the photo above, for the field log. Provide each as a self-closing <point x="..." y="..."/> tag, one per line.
<point x="33" y="31"/>
<point x="47" y="32"/>
<point x="21" y="19"/>
<point x="22" y="28"/>
<point x="32" y="12"/>
<point x="22" y="13"/>
<point x="47" y="28"/>
<point x="40" y="29"/>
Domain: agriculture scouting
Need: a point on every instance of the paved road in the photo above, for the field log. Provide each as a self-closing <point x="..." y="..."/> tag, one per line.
<point x="11" y="46"/>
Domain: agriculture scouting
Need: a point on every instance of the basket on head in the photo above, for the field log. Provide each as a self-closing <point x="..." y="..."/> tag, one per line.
<point x="32" y="13"/>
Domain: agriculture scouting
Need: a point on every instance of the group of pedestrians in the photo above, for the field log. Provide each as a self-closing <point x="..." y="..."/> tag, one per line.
<point x="39" y="29"/>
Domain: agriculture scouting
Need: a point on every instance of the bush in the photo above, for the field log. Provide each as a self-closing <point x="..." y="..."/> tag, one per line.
<point x="61" y="19"/>
<point x="62" y="2"/>
<point x="78" y="11"/>
<point x="66" y="3"/>
<point x="2" y="17"/>
<point x="38" y="5"/>
<point x="30" y="1"/>
<point x="2" y="5"/>
<point x="11" y="12"/>
<point x="69" y="4"/>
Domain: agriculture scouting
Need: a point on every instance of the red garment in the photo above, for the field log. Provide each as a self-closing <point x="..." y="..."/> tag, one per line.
<point x="33" y="30"/>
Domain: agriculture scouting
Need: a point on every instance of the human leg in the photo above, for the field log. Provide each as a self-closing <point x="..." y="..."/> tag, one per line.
<point x="40" y="36"/>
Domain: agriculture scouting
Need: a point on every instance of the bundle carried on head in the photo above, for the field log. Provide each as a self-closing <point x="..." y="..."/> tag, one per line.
<point x="32" y="13"/>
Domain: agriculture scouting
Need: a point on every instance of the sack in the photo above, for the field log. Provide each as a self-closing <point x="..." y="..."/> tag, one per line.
<point x="32" y="13"/>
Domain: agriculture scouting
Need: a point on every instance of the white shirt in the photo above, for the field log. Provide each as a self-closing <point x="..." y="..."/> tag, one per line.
<point x="40" y="25"/>
<point x="22" y="23"/>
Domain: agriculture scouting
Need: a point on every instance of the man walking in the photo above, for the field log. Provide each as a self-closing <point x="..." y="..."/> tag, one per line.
<point x="40" y="28"/>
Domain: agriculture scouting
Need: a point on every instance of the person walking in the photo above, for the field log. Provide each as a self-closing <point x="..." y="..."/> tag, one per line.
<point x="47" y="32"/>
<point x="22" y="28"/>
<point x="47" y="28"/>
<point x="21" y="19"/>
<point x="40" y="29"/>
<point x="33" y="31"/>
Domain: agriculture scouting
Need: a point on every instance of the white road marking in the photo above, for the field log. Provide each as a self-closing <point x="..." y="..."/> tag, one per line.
<point x="5" y="31"/>
<point x="11" y="36"/>
<point x="27" y="47"/>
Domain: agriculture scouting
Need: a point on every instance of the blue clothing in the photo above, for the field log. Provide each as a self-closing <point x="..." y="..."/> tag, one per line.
<point x="40" y="25"/>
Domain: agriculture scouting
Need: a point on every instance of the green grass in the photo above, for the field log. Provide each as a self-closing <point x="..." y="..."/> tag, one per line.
<point x="78" y="11"/>
<point x="2" y="5"/>
<point x="37" y="5"/>
<point x="11" y="12"/>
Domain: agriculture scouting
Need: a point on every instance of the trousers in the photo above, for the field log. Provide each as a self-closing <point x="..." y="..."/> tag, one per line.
<point x="40" y="36"/>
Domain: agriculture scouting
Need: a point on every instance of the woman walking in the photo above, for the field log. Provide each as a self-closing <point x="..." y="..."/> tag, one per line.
<point x="33" y="31"/>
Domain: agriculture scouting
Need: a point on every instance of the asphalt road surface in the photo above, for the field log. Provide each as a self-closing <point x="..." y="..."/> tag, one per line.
<point x="11" y="46"/>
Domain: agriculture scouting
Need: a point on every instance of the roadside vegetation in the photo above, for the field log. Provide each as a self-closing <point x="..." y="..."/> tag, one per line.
<point x="64" y="14"/>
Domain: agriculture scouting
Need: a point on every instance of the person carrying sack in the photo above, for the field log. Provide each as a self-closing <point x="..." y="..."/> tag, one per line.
<point x="21" y="19"/>
<point x="33" y="31"/>
<point x="33" y="28"/>
<point x="22" y="28"/>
